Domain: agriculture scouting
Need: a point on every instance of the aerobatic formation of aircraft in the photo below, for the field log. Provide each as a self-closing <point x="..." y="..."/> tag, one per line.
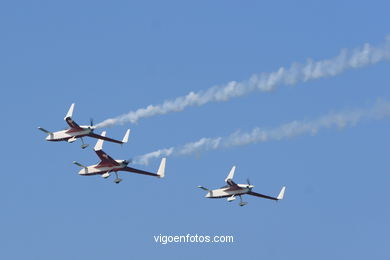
<point x="76" y="131"/>
<point x="232" y="190"/>
<point x="107" y="165"/>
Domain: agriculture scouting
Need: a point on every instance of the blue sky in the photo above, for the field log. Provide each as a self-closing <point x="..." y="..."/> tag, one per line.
<point x="110" y="58"/>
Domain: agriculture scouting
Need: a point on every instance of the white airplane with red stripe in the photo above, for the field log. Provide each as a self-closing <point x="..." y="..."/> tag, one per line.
<point x="108" y="165"/>
<point x="232" y="190"/>
<point x="76" y="131"/>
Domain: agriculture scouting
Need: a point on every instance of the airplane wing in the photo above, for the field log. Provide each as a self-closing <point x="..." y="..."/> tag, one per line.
<point x="129" y="169"/>
<point x="231" y="183"/>
<point x="229" y="178"/>
<point x="104" y="138"/>
<point x="72" y="124"/>
<point x="279" y="197"/>
<point x="261" y="195"/>
<point x="231" y="174"/>
<point x="106" y="160"/>
<point x="160" y="172"/>
<point x="69" y="120"/>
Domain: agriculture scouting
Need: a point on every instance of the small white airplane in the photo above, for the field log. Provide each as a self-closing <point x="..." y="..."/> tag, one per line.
<point x="107" y="165"/>
<point x="232" y="189"/>
<point x="76" y="131"/>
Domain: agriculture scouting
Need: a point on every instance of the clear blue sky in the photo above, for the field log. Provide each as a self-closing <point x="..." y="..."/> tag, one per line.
<point x="112" y="57"/>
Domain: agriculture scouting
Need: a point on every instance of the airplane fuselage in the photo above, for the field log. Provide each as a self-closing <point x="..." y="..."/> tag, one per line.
<point x="97" y="170"/>
<point x="228" y="191"/>
<point x="68" y="134"/>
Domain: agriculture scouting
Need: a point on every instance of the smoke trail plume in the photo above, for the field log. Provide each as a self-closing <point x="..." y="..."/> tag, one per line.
<point x="347" y="59"/>
<point x="292" y="129"/>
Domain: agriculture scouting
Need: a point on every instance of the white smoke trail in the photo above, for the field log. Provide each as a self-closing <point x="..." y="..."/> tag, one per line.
<point x="347" y="59"/>
<point x="342" y="119"/>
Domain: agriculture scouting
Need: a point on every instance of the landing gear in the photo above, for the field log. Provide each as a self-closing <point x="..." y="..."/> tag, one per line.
<point x="72" y="139"/>
<point x="117" y="179"/>
<point x="106" y="175"/>
<point x="83" y="146"/>
<point x="242" y="203"/>
<point x="230" y="199"/>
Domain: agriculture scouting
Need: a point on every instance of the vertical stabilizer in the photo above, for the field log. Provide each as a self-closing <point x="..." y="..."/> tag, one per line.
<point x="161" y="169"/>
<point x="231" y="174"/>
<point x="126" y="137"/>
<point x="281" y="193"/>
<point x="70" y="112"/>
<point x="99" y="143"/>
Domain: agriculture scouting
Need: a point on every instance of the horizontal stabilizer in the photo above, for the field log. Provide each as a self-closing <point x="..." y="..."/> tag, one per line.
<point x="231" y="174"/>
<point x="161" y="169"/>
<point x="203" y="188"/>
<point x="44" y="130"/>
<point x="126" y="137"/>
<point x="281" y="193"/>
<point x="70" y="112"/>
<point x="79" y="164"/>
<point x="99" y="143"/>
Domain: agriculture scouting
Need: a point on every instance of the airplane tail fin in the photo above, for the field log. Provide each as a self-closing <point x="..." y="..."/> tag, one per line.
<point x="281" y="193"/>
<point x="70" y="112"/>
<point x="161" y="169"/>
<point x="126" y="137"/>
<point x="231" y="174"/>
<point x="99" y="143"/>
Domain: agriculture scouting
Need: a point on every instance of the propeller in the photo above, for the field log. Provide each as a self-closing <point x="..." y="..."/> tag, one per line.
<point x="91" y="126"/>
<point x="126" y="162"/>
<point x="250" y="186"/>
